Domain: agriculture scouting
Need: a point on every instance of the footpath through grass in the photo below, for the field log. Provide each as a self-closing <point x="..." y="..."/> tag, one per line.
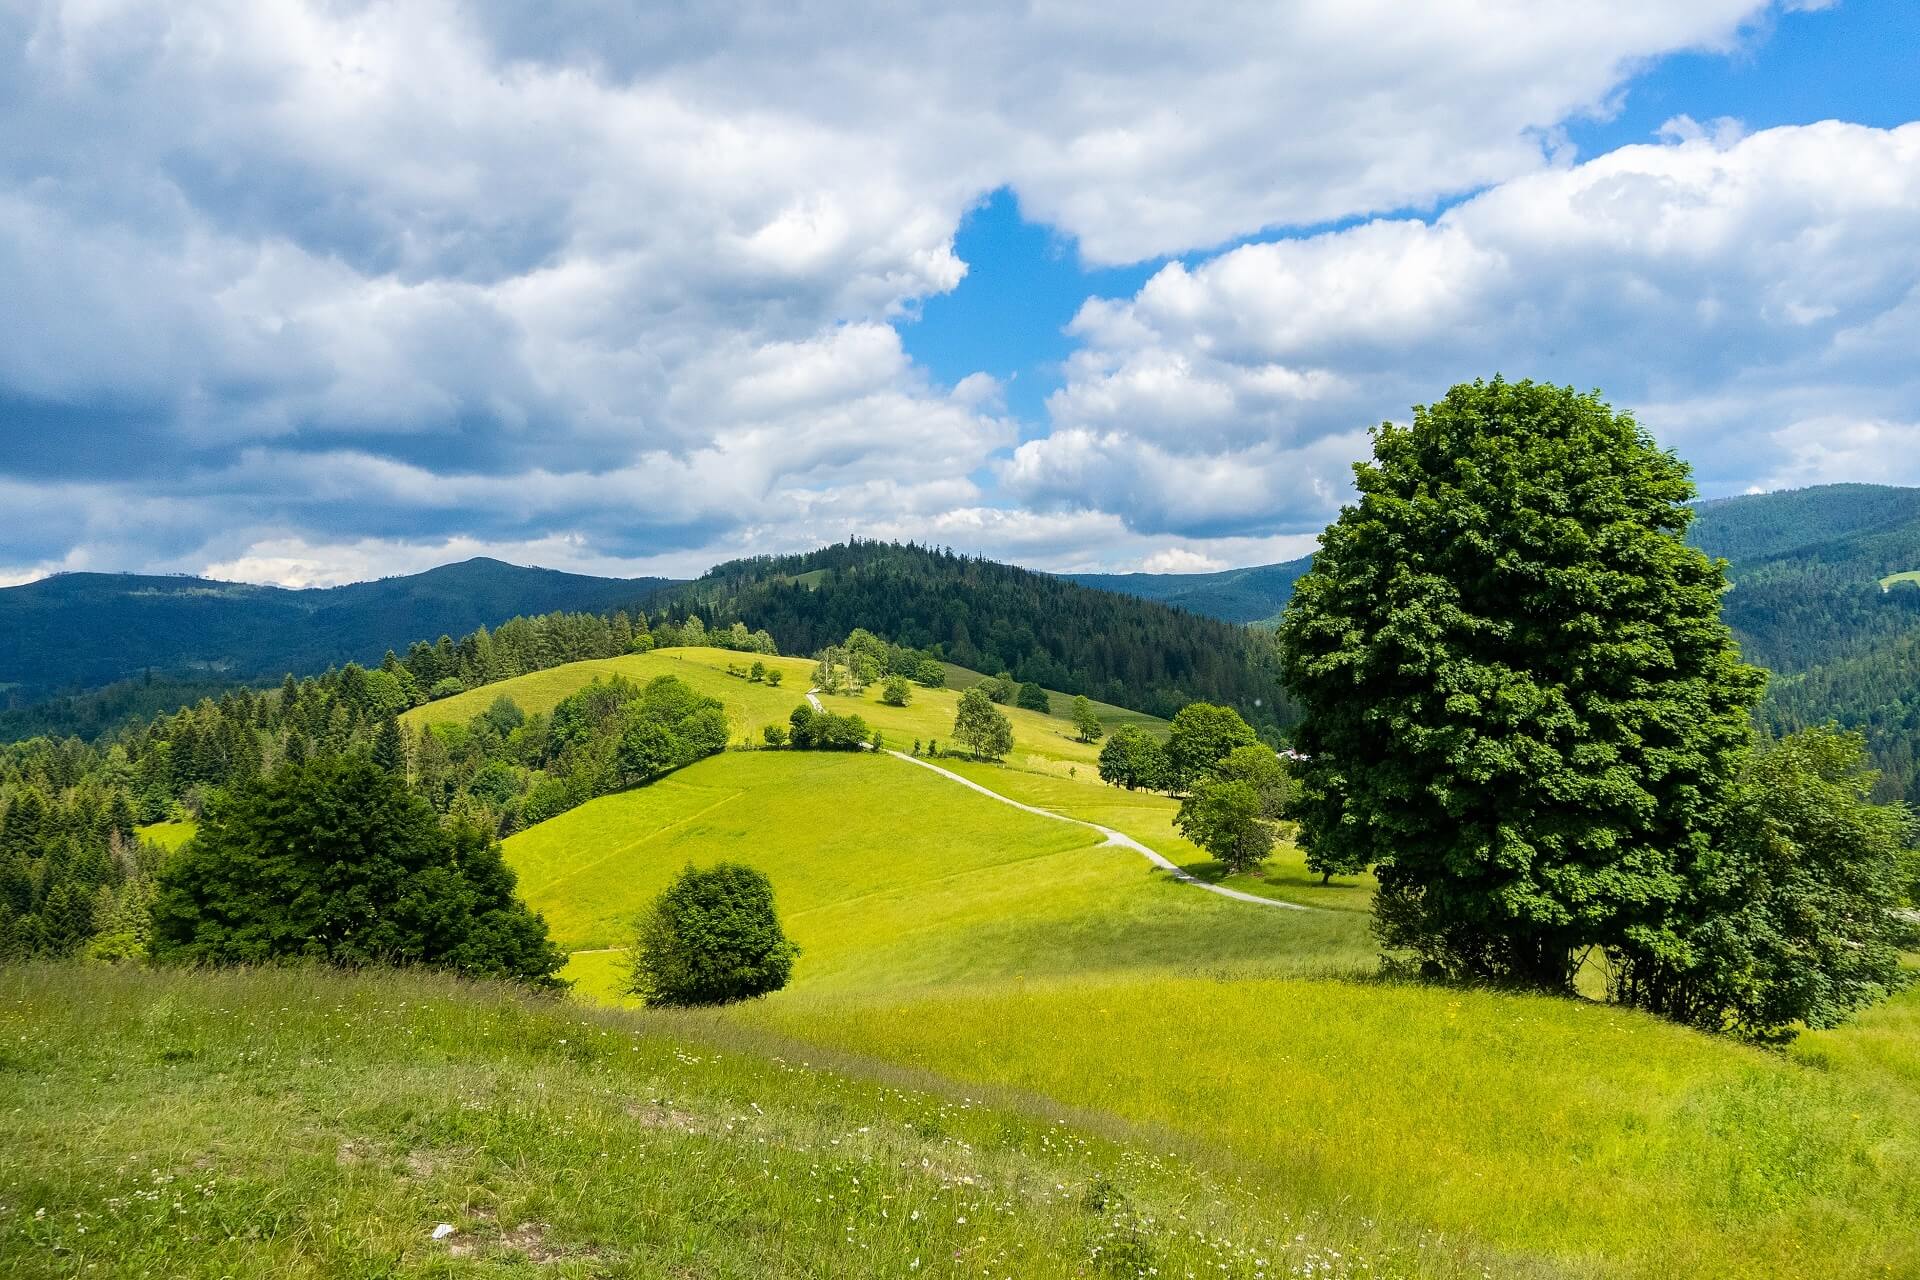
<point x="891" y="877"/>
<point x="1049" y="766"/>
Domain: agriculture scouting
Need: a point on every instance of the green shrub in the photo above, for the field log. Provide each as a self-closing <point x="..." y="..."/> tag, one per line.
<point x="711" y="938"/>
<point x="1034" y="698"/>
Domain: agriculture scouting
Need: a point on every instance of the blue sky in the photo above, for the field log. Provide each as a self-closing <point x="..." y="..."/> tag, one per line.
<point x="305" y="292"/>
<point x="1860" y="63"/>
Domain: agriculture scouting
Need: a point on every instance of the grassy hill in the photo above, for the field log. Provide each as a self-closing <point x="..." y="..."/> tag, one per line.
<point x="948" y="934"/>
<point x="1049" y="766"/>
<point x="1008" y="1050"/>
<point x="996" y="617"/>
<point x="319" y="1125"/>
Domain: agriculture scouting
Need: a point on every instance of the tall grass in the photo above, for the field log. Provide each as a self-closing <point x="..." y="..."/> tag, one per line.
<point x="312" y="1124"/>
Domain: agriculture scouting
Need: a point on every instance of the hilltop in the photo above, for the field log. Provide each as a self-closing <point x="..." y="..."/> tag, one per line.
<point x="995" y="617"/>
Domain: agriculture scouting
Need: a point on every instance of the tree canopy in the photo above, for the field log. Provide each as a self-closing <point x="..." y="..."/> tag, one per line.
<point x="981" y="727"/>
<point x="1521" y="705"/>
<point x="713" y="936"/>
<point x="336" y="860"/>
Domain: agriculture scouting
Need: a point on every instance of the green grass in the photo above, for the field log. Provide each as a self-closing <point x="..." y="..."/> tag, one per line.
<point x="308" y="1124"/>
<point x="1048" y="767"/>
<point x="1911" y="575"/>
<point x="1535" y="1124"/>
<point x="891" y="878"/>
<point x="1028" y="983"/>
<point x="1015" y="956"/>
<point x="749" y="705"/>
<point x="168" y="835"/>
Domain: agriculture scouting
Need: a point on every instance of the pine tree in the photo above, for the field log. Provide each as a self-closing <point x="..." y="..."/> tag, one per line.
<point x="390" y="749"/>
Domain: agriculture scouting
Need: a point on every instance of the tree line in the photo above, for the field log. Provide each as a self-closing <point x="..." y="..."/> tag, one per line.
<point x="993" y="617"/>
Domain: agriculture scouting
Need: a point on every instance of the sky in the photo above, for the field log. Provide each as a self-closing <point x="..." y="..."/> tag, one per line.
<point x="312" y="292"/>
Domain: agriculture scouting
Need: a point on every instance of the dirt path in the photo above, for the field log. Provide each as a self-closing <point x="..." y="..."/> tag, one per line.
<point x="1120" y="838"/>
<point x="1113" y="837"/>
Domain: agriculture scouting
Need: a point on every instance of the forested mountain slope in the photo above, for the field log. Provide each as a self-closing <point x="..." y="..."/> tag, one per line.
<point x="1252" y="594"/>
<point x="995" y="617"/>
<point x="82" y="630"/>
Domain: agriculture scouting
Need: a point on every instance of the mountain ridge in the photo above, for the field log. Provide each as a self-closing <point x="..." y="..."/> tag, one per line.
<point x="89" y="629"/>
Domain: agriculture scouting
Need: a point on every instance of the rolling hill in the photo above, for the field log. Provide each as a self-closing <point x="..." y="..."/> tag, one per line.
<point x="995" y="617"/>
<point x="994" y="1018"/>
<point x="1249" y="595"/>
<point x="84" y="630"/>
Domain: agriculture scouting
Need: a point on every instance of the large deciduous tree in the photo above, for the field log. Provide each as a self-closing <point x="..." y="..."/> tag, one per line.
<point x="1521" y="705"/>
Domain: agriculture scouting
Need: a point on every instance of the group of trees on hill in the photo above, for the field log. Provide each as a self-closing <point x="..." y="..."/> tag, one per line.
<point x="335" y="859"/>
<point x="1235" y="789"/>
<point x="1044" y="630"/>
<point x="1526" y="715"/>
<point x="73" y="875"/>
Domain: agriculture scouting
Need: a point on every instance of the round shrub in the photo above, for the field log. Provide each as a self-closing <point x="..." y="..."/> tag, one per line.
<point x="712" y="937"/>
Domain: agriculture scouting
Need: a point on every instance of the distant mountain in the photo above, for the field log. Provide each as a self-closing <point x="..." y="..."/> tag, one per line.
<point x="1254" y="594"/>
<point x="85" y="630"/>
<point x="996" y="617"/>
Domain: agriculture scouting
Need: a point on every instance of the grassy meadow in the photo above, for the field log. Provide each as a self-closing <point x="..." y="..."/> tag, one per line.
<point x="317" y="1125"/>
<point x="1008" y="1050"/>
<point x="1049" y="766"/>
<point x="749" y="705"/>
<point x="892" y="878"/>
<point x="168" y="835"/>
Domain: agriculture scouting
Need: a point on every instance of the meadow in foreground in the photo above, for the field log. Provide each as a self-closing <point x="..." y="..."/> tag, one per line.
<point x="324" y="1124"/>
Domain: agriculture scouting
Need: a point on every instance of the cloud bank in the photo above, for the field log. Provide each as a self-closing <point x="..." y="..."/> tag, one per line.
<point x="302" y="292"/>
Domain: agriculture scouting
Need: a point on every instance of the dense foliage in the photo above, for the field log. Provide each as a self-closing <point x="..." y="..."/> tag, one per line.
<point x="810" y="730"/>
<point x="1523" y="709"/>
<point x="336" y="860"/>
<point x="1253" y="594"/>
<point x="80" y="880"/>
<point x="981" y="727"/>
<point x="73" y="877"/>
<point x="713" y="936"/>
<point x="994" y="617"/>
<point x="1793" y="916"/>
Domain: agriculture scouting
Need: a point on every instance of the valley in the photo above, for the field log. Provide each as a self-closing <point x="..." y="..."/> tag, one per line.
<point x="1008" y="1046"/>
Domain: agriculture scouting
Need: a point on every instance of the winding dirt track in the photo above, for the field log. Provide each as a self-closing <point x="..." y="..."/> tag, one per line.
<point x="1120" y="838"/>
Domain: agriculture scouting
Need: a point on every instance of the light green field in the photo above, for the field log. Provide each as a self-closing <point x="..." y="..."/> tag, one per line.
<point x="168" y="835"/>
<point x="306" y="1125"/>
<point x="892" y="878"/>
<point x="749" y="705"/>
<point x="1048" y="767"/>
<point x="1579" y="1138"/>
<point x="1551" y="1127"/>
<point x="1911" y="575"/>
<point x="1267" y="1104"/>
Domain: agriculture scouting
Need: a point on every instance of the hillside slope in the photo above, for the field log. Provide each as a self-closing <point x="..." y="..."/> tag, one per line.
<point x="1253" y="594"/>
<point x="302" y="1124"/>
<point x="90" y="629"/>
<point x="995" y="617"/>
<point x="959" y="938"/>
